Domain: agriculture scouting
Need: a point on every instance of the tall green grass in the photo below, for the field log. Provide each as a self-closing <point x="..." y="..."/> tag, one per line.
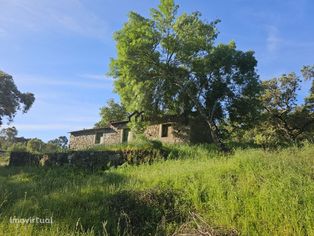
<point x="252" y="191"/>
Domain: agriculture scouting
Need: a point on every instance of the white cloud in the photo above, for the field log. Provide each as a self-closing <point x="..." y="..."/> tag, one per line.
<point x="96" y="76"/>
<point x="75" y="82"/>
<point x="40" y="15"/>
<point x="80" y="119"/>
<point x="44" y="127"/>
<point x="273" y="40"/>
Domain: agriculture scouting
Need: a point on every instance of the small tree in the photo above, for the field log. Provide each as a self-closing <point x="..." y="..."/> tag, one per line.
<point x="9" y="134"/>
<point x="111" y="112"/>
<point x="7" y="137"/>
<point x="60" y="142"/>
<point x="35" y="145"/>
<point x="51" y="148"/>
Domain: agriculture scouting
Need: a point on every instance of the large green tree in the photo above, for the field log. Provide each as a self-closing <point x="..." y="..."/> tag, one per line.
<point x="169" y="64"/>
<point x="11" y="99"/>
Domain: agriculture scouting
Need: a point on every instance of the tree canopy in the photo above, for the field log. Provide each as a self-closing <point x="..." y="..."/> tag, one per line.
<point x="11" y="99"/>
<point x="283" y="119"/>
<point x="170" y="64"/>
<point x="308" y="74"/>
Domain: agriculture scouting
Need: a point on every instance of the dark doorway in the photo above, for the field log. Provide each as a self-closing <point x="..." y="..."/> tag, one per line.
<point x="125" y="135"/>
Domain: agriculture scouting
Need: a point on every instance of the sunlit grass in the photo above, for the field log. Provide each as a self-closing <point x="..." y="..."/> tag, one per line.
<point x="252" y="191"/>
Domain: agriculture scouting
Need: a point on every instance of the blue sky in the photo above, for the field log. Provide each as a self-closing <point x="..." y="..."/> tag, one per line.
<point x="60" y="50"/>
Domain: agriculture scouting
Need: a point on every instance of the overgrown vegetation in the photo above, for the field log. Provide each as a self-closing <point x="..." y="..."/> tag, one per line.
<point x="251" y="192"/>
<point x="172" y="65"/>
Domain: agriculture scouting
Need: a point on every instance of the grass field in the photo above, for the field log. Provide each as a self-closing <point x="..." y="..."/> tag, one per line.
<point x="251" y="192"/>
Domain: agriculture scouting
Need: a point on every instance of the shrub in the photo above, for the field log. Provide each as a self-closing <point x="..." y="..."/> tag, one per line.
<point x="17" y="147"/>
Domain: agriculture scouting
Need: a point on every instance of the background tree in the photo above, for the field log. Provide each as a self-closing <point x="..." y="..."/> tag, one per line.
<point x="111" y="112"/>
<point x="9" y="134"/>
<point x="60" y="142"/>
<point x="11" y="99"/>
<point x="169" y="64"/>
<point x="35" y="145"/>
<point x="308" y="74"/>
<point x="284" y="120"/>
<point x="7" y="137"/>
<point x="51" y="148"/>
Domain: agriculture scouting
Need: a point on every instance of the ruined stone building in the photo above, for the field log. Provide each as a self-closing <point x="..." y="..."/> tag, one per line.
<point x="167" y="129"/>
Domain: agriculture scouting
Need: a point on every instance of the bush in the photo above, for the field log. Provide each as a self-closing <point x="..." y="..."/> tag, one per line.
<point x="35" y="145"/>
<point x="17" y="147"/>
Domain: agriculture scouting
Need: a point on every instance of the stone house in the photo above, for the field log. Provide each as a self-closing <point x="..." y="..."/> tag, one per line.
<point x="167" y="129"/>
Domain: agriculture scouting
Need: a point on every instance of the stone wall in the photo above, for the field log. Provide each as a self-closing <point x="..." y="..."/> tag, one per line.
<point x="86" y="140"/>
<point x="92" y="160"/>
<point x="176" y="133"/>
<point x="81" y="141"/>
<point x="112" y="138"/>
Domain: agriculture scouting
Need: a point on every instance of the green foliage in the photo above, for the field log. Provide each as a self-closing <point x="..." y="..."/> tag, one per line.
<point x="141" y="143"/>
<point x="8" y="134"/>
<point x="169" y="64"/>
<point x="17" y="147"/>
<point x="11" y="99"/>
<point x="111" y="112"/>
<point x="308" y="74"/>
<point x="60" y="142"/>
<point x="137" y="128"/>
<point x="284" y="121"/>
<point x="35" y="145"/>
<point x="4" y="160"/>
<point x="51" y="148"/>
<point x="252" y="191"/>
<point x="7" y="137"/>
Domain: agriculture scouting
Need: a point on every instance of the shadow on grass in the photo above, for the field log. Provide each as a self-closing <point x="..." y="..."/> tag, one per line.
<point x="83" y="201"/>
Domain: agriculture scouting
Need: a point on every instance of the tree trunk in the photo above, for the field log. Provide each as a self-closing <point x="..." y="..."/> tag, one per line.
<point x="212" y="126"/>
<point x="209" y="120"/>
<point x="216" y="137"/>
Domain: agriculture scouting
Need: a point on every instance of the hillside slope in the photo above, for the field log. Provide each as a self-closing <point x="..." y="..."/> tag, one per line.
<point x="249" y="193"/>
